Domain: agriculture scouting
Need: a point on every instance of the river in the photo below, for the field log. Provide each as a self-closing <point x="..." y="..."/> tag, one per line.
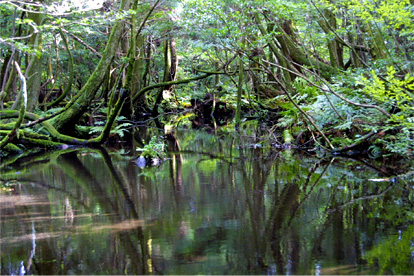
<point x="218" y="204"/>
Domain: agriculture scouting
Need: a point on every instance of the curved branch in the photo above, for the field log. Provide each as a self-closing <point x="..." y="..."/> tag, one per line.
<point x="141" y="26"/>
<point x="35" y="31"/>
<point x="82" y="42"/>
<point x="167" y="83"/>
<point x="214" y="72"/>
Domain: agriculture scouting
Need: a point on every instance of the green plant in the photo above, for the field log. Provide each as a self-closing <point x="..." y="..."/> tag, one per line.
<point x="303" y="88"/>
<point x="393" y="254"/>
<point x="117" y="130"/>
<point x="401" y="143"/>
<point x="392" y="91"/>
<point x="154" y="149"/>
<point x="396" y="93"/>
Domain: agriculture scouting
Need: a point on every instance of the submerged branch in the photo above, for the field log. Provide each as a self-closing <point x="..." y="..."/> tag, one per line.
<point x="367" y="197"/>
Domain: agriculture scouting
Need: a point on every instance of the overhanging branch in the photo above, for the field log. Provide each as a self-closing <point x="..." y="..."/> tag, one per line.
<point x="167" y="83"/>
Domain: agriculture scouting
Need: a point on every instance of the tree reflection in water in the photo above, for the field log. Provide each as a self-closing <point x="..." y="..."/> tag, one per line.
<point x="215" y="206"/>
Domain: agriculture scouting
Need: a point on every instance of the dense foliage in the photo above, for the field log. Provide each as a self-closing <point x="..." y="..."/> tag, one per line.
<point x="333" y="78"/>
<point x="333" y="75"/>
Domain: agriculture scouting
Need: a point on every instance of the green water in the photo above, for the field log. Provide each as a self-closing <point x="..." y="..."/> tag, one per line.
<point x="218" y="205"/>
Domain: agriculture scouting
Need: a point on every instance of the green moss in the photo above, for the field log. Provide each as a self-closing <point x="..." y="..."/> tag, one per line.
<point x="41" y="143"/>
<point x="12" y="148"/>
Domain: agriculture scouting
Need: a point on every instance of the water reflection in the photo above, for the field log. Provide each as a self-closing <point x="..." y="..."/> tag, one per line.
<point x="214" y="207"/>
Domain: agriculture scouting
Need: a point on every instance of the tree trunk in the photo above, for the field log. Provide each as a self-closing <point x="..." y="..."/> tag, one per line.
<point x="66" y="121"/>
<point x="377" y="46"/>
<point x="34" y="68"/>
<point x="280" y="58"/>
<point x="139" y="76"/>
<point x="139" y="65"/>
<point x="239" y="93"/>
<point x="291" y="52"/>
<point x="131" y="48"/>
<point x="71" y="77"/>
<point x="170" y="71"/>
<point x="328" y="23"/>
<point x="137" y="71"/>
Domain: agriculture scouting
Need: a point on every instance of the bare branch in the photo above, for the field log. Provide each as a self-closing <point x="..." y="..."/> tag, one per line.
<point x="82" y="42"/>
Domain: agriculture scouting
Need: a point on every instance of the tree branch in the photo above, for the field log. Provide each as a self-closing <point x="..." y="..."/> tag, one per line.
<point x="82" y="42"/>
<point x="167" y="83"/>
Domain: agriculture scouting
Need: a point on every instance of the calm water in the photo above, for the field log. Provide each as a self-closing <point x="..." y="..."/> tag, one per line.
<point x="217" y="205"/>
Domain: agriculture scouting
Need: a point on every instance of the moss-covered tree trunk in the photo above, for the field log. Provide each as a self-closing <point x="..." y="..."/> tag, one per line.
<point x="130" y="46"/>
<point x="329" y="25"/>
<point x="292" y="54"/>
<point x="66" y="121"/>
<point x="138" y="76"/>
<point x="170" y="71"/>
<point x="34" y="67"/>
<point x="239" y="93"/>
<point x="137" y="71"/>
<point x="140" y="73"/>
<point x="378" y="49"/>
<point x="292" y="51"/>
<point x="275" y="50"/>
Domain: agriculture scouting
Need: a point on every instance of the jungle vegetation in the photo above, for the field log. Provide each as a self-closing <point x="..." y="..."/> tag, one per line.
<point x="332" y="75"/>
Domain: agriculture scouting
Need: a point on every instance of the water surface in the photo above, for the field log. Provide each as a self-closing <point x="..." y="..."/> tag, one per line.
<point x="217" y="205"/>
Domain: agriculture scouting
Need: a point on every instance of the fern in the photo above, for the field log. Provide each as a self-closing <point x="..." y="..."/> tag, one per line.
<point x="121" y="129"/>
<point x="117" y="130"/>
<point x="96" y="129"/>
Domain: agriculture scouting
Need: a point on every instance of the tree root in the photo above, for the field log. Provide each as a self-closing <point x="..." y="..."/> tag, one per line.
<point x="57" y="139"/>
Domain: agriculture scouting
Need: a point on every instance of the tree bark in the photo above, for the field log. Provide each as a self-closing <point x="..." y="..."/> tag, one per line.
<point x="291" y="50"/>
<point x="377" y="45"/>
<point x="136" y="73"/>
